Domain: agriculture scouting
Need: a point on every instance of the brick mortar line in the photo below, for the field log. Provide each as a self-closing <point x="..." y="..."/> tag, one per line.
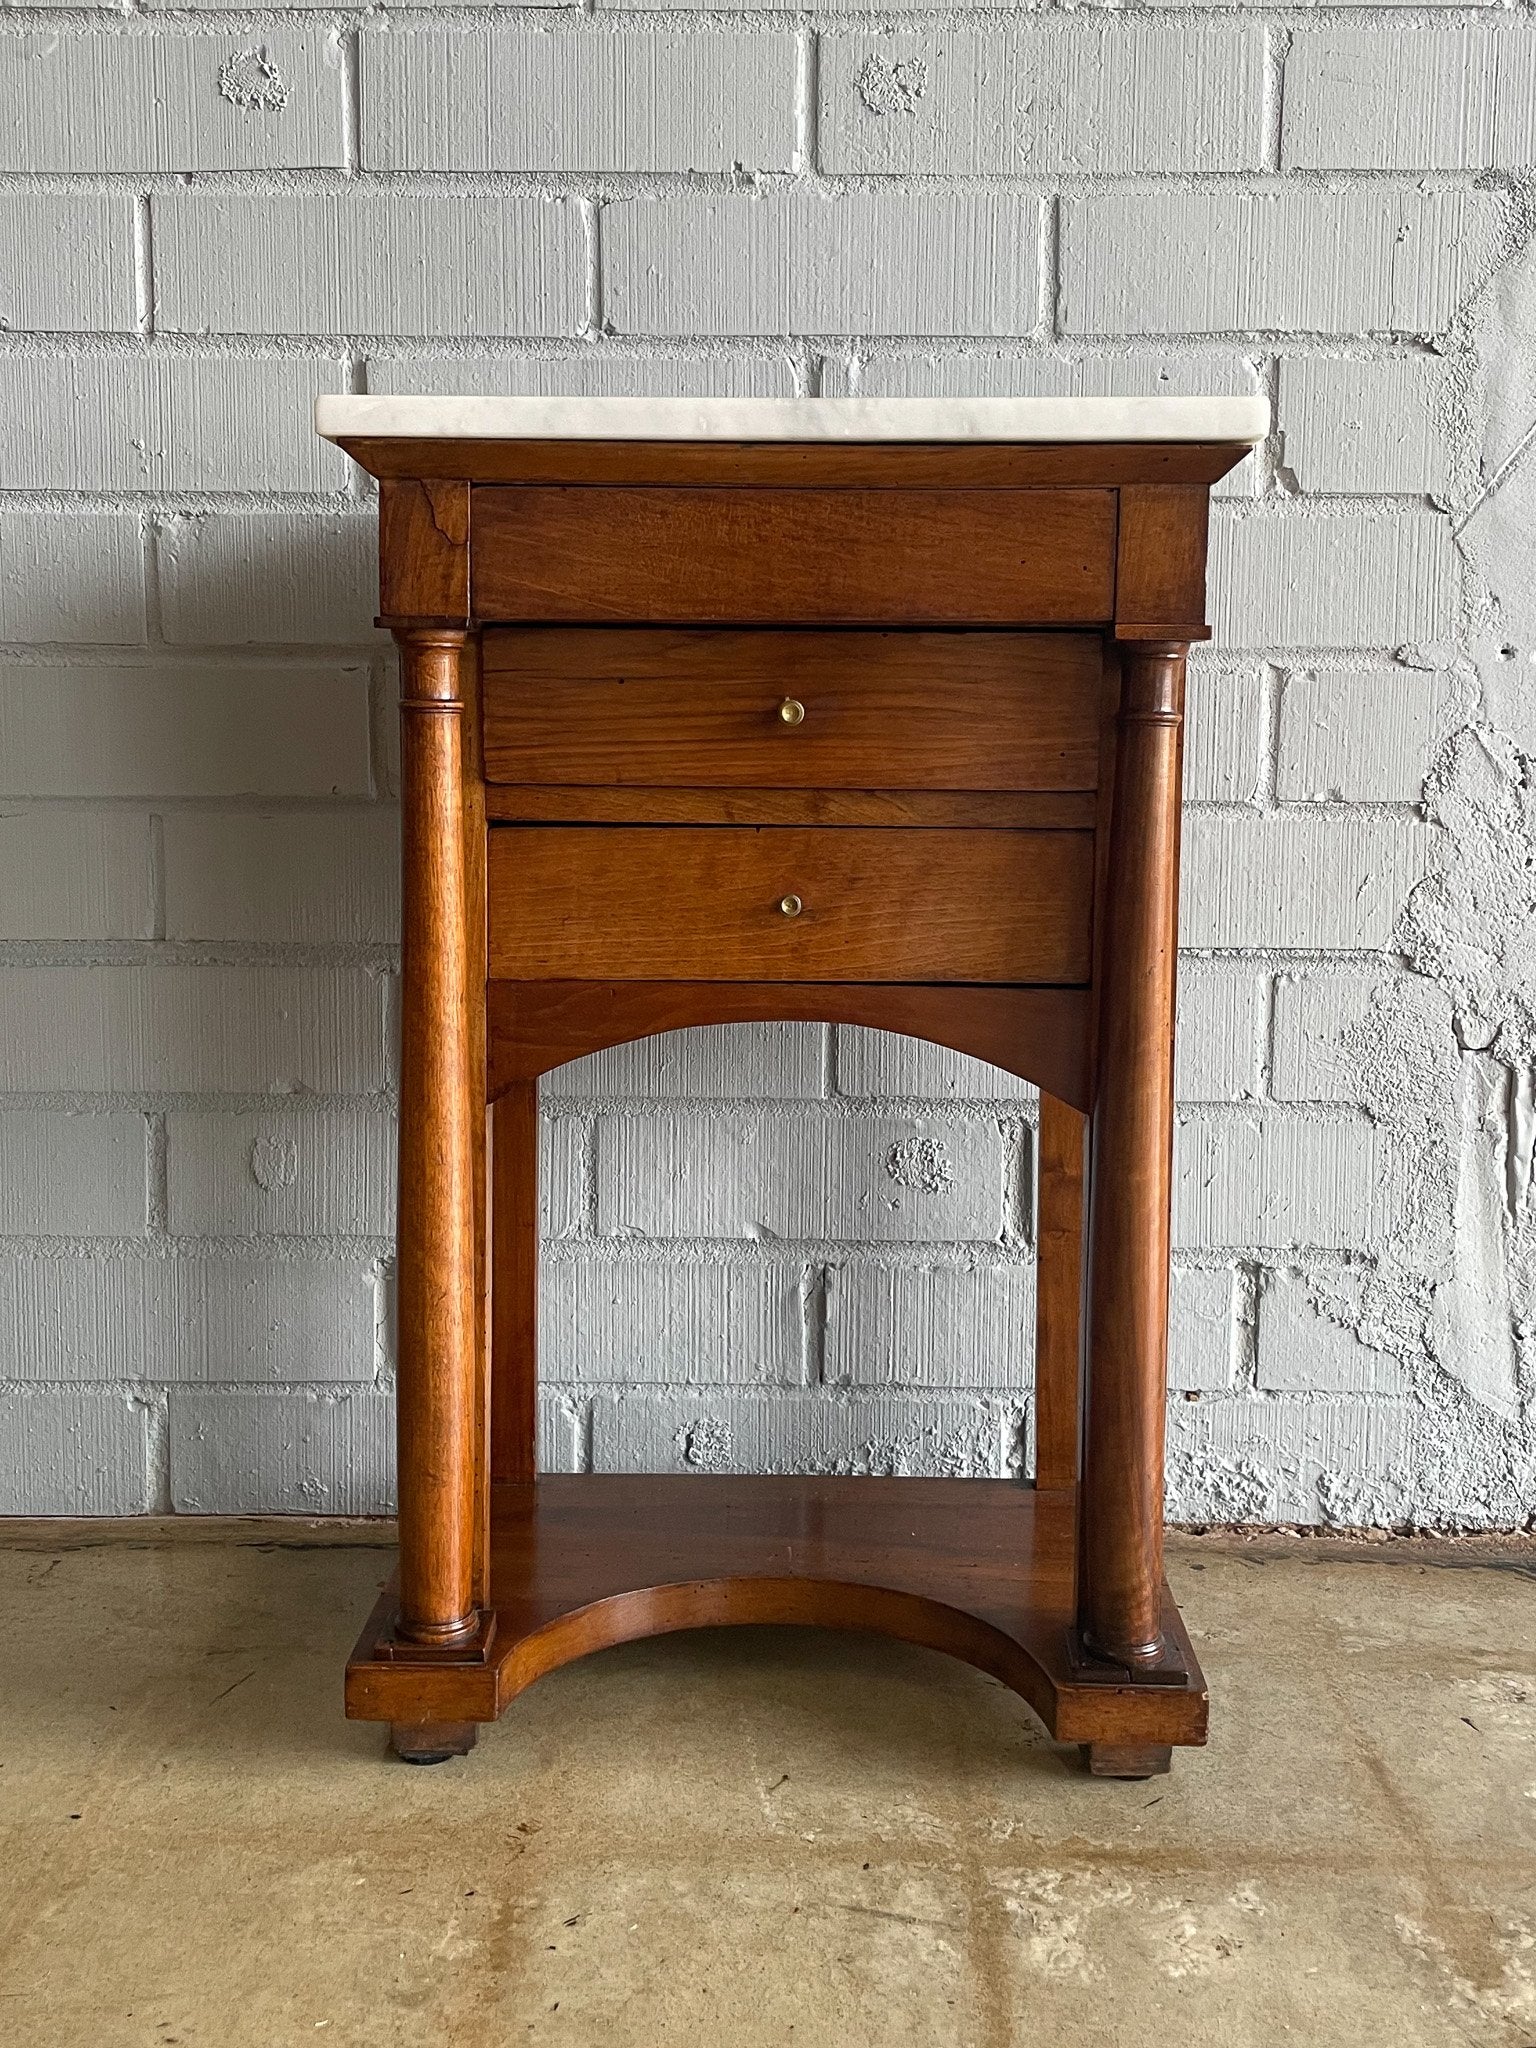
<point x="588" y="18"/>
<point x="1194" y="1109"/>
<point x="971" y="1110"/>
<point x="138" y="1389"/>
<point x="748" y="1257"/>
<point x="755" y="1256"/>
<point x="169" y="1250"/>
<point x="763" y="182"/>
<point x="371" y="958"/>
<point x="169" y="1102"/>
<point x="102" y="345"/>
<point x="783" y="1108"/>
<point x="202" y="804"/>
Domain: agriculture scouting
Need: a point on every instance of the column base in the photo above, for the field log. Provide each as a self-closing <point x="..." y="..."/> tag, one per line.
<point x="1090" y="1666"/>
<point x="474" y="1648"/>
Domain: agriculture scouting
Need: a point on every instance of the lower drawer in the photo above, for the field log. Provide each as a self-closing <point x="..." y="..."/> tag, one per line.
<point x="728" y="903"/>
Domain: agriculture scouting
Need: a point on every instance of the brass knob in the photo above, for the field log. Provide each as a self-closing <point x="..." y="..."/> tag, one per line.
<point x="792" y="711"/>
<point x="791" y="905"/>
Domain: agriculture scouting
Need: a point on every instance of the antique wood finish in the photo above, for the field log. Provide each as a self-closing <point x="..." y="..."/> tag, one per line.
<point x="1058" y="1292"/>
<point x="1130" y="1180"/>
<point x="820" y="711"/>
<point x="1041" y="1034"/>
<point x="515" y="1258"/>
<point x="1160" y="564"/>
<point x="424" y="550"/>
<point x="729" y="556"/>
<point x="980" y="1568"/>
<point x="439" y="1369"/>
<point x="821" y="465"/>
<point x="570" y="903"/>
<point x="1030" y="810"/>
<point x="978" y="813"/>
<point x="472" y="792"/>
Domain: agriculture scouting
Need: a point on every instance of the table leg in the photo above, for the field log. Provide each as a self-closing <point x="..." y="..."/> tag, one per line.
<point x="515" y="1281"/>
<point x="1130" y="1176"/>
<point x="1058" y="1294"/>
<point x="438" y="1369"/>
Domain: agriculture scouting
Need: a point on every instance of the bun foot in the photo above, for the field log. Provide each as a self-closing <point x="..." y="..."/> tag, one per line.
<point x="432" y="1742"/>
<point x="1127" y="1759"/>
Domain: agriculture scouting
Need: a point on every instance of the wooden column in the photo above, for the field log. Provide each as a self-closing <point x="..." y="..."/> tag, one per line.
<point x="439" y="1372"/>
<point x="1058" y="1294"/>
<point x="515" y="1281"/>
<point x="1130" y="1177"/>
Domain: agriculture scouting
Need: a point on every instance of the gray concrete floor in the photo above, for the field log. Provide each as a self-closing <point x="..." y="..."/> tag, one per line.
<point x="763" y="1835"/>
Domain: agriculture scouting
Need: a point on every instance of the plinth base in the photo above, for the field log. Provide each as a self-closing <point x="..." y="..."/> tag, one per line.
<point x="980" y="1568"/>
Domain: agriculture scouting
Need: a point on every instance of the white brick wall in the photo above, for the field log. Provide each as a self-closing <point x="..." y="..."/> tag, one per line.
<point x="366" y="263"/>
<point x="167" y="101"/>
<point x="500" y="100"/>
<point x="194" y="728"/>
<point x="1283" y="260"/>
<point x="131" y="423"/>
<point x="70" y="576"/>
<point x="1442" y="100"/>
<point x="770" y="1247"/>
<point x="1046" y="97"/>
<point x="865" y="262"/>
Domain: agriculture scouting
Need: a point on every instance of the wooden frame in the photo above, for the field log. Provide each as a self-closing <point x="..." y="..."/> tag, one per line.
<point x="1058" y="1588"/>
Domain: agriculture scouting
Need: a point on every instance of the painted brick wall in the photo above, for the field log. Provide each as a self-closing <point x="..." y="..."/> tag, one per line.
<point x="787" y="1246"/>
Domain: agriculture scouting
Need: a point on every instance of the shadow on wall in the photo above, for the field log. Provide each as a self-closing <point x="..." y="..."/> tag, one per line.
<point x="268" y="578"/>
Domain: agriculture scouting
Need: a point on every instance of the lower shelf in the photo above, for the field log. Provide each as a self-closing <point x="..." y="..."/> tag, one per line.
<point x="980" y="1568"/>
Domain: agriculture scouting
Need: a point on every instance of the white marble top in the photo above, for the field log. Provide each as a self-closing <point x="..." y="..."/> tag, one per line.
<point x="794" y="419"/>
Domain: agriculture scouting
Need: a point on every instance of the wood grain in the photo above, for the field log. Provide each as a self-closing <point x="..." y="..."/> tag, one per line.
<point x="440" y="1382"/>
<point x="515" y="1294"/>
<point x="888" y="809"/>
<point x="708" y="556"/>
<point x="1131" y="1175"/>
<point x="937" y="711"/>
<point x="978" y="1568"/>
<point x="424" y="550"/>
<point x="1058" y="1293"/>
<point x="1160" y="564"/>
<point x="472" y="789"/>
<point x="960" y="813"/>
<point x="1041" y="1034"/>
<point x="704" y="904"/>
<point x="820" y="465"/>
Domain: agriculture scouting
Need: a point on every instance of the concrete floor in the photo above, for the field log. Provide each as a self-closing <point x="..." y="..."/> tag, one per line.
<point x="759" y="1836"/>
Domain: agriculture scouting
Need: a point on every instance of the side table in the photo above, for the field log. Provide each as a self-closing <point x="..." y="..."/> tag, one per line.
<point x="859" y="711"/>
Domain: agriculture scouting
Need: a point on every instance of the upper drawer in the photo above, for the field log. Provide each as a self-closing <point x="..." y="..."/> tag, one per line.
<point x="775" y="557"/>
<point x="792" y="710"/>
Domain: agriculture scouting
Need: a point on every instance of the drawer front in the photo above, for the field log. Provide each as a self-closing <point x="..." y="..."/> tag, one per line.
<point x="785" y="556"/>
<point x="735" y="710"/>
<point x="600" y="903"/>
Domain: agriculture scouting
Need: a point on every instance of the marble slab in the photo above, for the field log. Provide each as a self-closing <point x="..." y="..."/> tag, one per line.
<point x="1243" y="420"/>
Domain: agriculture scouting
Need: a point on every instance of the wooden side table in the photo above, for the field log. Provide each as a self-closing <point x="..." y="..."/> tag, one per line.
<point x="858" y="711"/>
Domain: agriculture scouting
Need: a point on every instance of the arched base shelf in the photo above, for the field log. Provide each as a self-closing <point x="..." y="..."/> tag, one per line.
<point x="1039" y="1034"/>
<point x="979" y="1568"/>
